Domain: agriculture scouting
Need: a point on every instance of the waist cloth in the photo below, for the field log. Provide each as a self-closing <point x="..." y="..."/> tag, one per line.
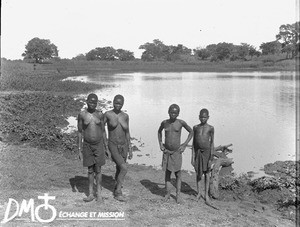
<point x="118" y="152"/>
<point x="172" y="162"/>
<point x="202" y="157"/>
<point x="93" y="153"/>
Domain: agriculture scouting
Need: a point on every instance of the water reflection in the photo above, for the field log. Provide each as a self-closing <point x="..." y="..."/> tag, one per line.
<point x="253" y="110"/>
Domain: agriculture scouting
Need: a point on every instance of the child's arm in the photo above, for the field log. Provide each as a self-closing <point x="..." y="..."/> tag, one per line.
<point x="105" y="137"/>
<point x="79" y="135"/>
<point x="159" y="135"/>
<point x="127" y="134"/>
<point x="193" y="149"/>
<point x="190" y="136"/>
<point x="212" y="143"/>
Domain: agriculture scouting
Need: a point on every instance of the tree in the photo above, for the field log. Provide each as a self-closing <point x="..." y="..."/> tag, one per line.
<point x="202" y="53"/>
<point x="253" y="52"/>
<point x="124" y="55"/>
<point x="211" y="48"/>
<point x="157" y="50"/>
<point x="223" y="51"/>
<point x="92" y="55"/>
<point x="289" y="36"/>
<point x="79" y="57"/>
<point x="106" y="53"/>
<point x="154" y="51"/>
<point x="101" y="53"/>
<point x="40" y="50"/>
<point x="289" y="49"/>
<point x="273" y="47"/>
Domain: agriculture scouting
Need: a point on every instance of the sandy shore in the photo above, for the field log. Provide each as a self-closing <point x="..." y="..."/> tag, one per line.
<point x="28" y="172"/>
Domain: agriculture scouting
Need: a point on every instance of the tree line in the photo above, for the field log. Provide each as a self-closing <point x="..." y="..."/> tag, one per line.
<point x="287" y="41"/>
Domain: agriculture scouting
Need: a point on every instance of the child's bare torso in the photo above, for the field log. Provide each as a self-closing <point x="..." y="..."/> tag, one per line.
<point x="202" y="136"/>
<point x="117" y="126"/>
<point x="172" y="134"/>
<point x="92" y="126"/>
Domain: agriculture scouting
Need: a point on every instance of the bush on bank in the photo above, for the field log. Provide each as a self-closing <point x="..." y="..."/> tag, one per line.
<point x="38" y="118"/>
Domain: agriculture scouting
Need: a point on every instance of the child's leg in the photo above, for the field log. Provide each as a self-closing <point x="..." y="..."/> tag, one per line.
<point x="121" y="177"/>
<point x="206" y="174"/>
<point x="91" y="184"/>
<point x="117" y="172"/>
<point x="98" y="182"/>
<point x="178" y="186"/>
<point x="168" y="184"/>
<point x="198" y="180"/>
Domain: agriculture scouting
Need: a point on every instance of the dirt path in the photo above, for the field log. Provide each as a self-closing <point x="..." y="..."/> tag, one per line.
<point x="27" y="172"/>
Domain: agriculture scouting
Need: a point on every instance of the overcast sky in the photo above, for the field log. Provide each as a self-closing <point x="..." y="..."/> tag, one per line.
<point x="78" y="26"/>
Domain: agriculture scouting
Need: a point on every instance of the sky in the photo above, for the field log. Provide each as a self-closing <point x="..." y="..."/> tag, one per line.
<point x="78" y="26"/>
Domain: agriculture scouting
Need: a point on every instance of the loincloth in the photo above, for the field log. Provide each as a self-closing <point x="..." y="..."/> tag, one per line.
<point x="93" y="154"/>
<point x="202" y="157"/>
<point x="118" y="152"/>
<point x="172" y="162"/>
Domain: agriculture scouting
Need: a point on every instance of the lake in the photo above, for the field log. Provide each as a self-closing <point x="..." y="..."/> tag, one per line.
<point x="255" y="111"/>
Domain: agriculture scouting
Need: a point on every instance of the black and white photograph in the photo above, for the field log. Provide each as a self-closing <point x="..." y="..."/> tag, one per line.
<point x="149" y="113"/>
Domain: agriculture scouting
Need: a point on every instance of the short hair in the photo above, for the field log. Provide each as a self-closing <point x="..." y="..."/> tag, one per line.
<point x="92" y="95"/>
<point x="119" y="97"/>
<point x="174" y="106"/>
<point x="202" y="111"/>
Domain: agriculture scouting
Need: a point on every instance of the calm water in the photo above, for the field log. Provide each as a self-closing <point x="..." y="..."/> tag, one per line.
<point x="253" y="111"/>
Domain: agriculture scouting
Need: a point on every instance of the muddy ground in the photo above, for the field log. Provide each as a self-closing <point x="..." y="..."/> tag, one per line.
<point x="27" y="172"/>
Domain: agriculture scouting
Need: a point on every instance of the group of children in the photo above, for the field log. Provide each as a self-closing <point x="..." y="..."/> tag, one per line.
<point x="202" y="148"/>
<point x="93" y="145"/>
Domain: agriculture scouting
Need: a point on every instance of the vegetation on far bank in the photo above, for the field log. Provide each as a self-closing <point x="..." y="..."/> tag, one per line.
<point x="286" y="41"/>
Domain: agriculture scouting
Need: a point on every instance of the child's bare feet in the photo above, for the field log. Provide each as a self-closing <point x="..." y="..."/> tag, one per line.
<point x="120" y="198"/>
<point x="198" y="197"/>
<point x="99" y="199"/>
<point x="208" y="203"/>
<point x="179" y="199"/>
<point x="167" y="197"/>
<point x="89" y="198"/>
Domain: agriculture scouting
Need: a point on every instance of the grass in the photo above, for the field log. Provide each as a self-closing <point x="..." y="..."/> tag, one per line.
<point x="20" y="76"/>
<point x="35" y="101"/>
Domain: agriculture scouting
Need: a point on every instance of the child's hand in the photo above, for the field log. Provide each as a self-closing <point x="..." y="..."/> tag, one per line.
<point x="168" y="151"/>
<point x="193" y="162"/>
<point x="80" y="156"/>
<point x="210" y="164"/>
<point x="130" y="155"/>
<point x="182" y="148"/>
<point x="162" y="148"/>
<point x="108" y="155"/>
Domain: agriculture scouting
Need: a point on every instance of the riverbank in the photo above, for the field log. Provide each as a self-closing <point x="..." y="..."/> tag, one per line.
<point x="35" y="104"/>
<point x="63" y="176"/>
<point x="262" y="64"/>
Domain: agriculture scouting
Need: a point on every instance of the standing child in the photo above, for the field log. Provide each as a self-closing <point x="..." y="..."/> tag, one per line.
<point x="172" y="149"/>
<point x="118" y="142"/>
<point x="203" y="146"/>
<point x="91" y="136"/>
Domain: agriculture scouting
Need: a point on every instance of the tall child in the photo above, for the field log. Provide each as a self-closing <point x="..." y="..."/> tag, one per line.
<point x="91" y="136"/>
<point x="119" y="143"/>
<point x="173" y="149"/>
<point x="202" y="149"/>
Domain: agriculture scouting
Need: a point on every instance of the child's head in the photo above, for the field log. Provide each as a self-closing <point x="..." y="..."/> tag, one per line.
<point x="92" y="101"/>
<point x="120" y="97"/>
<point x="92" y="96"/>
<point x="174" y="111"/>
<point x="204" y="115"/>
<point x="118" y="102"/>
